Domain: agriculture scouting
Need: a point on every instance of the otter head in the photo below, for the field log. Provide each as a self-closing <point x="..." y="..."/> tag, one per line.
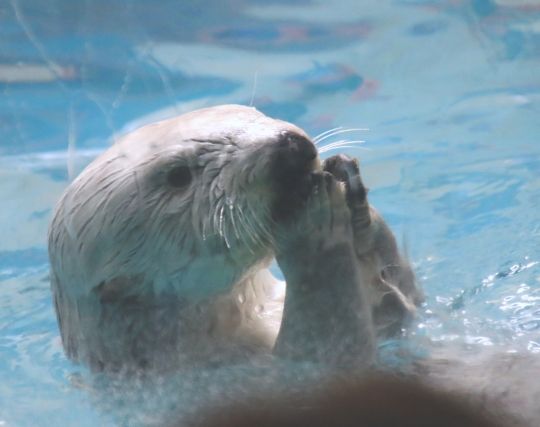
<point x="186" y="205"/>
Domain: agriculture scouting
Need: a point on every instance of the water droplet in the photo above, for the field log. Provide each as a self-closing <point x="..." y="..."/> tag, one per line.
<point x="259" y="308"/>
<point x="241" y="298"/>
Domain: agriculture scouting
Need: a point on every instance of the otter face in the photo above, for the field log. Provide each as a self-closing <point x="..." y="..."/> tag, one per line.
<point x="186" y="204"/>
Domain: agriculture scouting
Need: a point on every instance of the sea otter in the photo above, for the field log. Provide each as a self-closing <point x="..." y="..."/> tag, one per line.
<point x="160" y="248"/>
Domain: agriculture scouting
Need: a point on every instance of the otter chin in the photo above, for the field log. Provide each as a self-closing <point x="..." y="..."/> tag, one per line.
<point x="160" y="248"/>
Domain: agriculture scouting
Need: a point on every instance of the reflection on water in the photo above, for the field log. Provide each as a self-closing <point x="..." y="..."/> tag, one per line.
<point x="448" y="88"/>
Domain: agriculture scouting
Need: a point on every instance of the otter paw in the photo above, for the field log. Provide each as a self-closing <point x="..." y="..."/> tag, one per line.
<point x="347" y="170"/>
<point x="326" y="211"/>
<point x="342" y="167"/>
<point x="324" y="221"/>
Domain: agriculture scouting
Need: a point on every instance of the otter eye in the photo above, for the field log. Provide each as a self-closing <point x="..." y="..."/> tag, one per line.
<point x="180" y="176"/>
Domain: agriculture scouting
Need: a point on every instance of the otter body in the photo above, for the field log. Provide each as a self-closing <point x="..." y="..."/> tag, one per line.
<point x="160" y="249"/>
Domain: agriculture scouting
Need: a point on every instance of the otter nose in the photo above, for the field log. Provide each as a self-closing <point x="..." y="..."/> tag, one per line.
<point x="296" y="150"/>
<point x="293" y="159"/>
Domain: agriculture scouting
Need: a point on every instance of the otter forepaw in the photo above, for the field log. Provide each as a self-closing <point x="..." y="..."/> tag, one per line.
<point x="347" y="170"/>
<point x="324" y="221"/>
<point x="342" y="167"/>
<point x="327" y="217"/>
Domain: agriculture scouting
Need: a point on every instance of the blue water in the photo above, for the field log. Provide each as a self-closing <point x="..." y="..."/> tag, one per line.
<point x="450" y="91"/>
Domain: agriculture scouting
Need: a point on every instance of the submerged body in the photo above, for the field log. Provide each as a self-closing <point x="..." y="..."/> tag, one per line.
<point x="160" y="249"/>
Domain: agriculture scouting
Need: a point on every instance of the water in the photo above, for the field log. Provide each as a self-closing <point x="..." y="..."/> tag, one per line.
<point x="449" y="89"/>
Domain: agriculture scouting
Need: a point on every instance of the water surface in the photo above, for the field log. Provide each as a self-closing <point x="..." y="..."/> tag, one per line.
<point x="450" y="92"/>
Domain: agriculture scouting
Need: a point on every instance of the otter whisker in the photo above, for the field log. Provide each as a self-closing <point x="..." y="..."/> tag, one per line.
<point x="337" y="132"/>
<point x="342" y="144"/>
<point x="231" y="214"/>
<point x="264" y="232"/>
<point x="319" y="136"/>
<point x="203" y="229"/>
<point x="232" y="210"/>
<point x="332" y="144"/>
<point x="248" y="227"/>
<point x="257" y="240"/>
<point x="215" y="216"/>
<point x="246" y="231"/>
<point x="221" y="221"/>
<point x="342" y="141"/>
<point x="259" y="230"/>
<point x="222" y="226"/>
<point x="345" y="146"/>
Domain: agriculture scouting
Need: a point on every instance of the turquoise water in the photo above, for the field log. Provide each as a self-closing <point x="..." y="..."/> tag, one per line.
<point x="450" y="92"/>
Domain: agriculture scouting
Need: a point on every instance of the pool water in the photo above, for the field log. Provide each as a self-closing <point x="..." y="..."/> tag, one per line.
<point x="450" y="92"/>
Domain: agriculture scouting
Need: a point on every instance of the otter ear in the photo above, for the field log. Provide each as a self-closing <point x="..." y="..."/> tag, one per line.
<point x="179" y="176"/>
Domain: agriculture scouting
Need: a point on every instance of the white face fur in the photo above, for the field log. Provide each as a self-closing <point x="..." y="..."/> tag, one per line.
<point x="187" y="202"/>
